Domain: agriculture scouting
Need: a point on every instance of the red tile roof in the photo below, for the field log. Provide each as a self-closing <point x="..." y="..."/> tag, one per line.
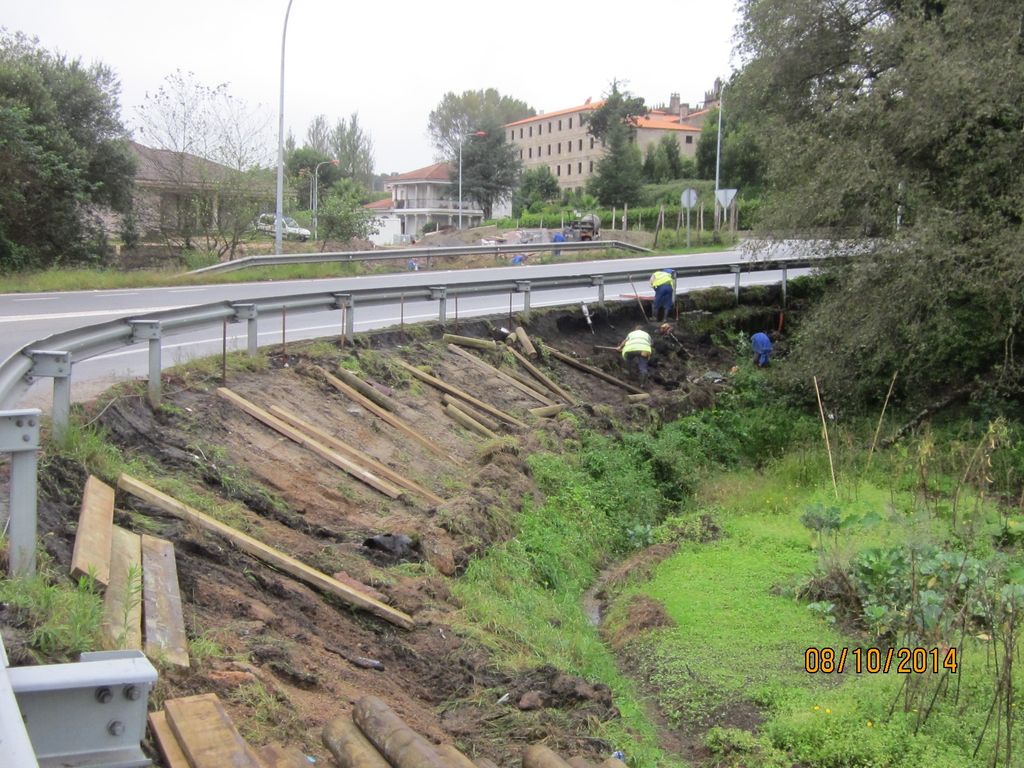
<point x="660" y="122"/>
<point x="547" y="115"/>
<point x="381" y="205"/>
<point x="435" y="172"/>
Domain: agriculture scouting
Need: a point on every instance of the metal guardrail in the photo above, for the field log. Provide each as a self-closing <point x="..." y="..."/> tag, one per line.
<point x="414" y="253"/>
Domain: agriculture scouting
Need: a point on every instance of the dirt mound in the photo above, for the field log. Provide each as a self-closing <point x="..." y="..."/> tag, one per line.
<point x="641" y="614"/>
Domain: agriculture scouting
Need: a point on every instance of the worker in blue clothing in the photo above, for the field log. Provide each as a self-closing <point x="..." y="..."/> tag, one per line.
<point x="663" y="283"/>
<point x="558" y="238"/>
<point x="762" y="345"/>
<point x="637" y="347"/>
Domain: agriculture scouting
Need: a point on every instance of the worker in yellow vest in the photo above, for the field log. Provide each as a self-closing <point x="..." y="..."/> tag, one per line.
<point x="663" y="283"/>
<point x="636" y="347"/>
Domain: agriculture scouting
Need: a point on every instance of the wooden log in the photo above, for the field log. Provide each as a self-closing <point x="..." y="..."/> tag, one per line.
<point x="483" y="762"/>
<point x="121" y="626"/>
<point x="166" y="741"/>
<point x="463" y="418"/>
<point x="321" y="450"/>
<point x="206" y="734"/>
<point x="524" y="341"/>
<point x="541" y="377"/>
<point x="473" y="359"/>
<point x="453" y="757"/>
<point x="469" y="410"/>
<point x="400" y="745"/>
<point x="531" y="383"/>
<point x="280" y="756"/>
<point x="466" y="341"/>
<point x="453" y="390"/>
<point x="348" y="745"/>
<point x="164" y="623"/>
<point x="548" y="411"/>
<point x="355" y="455"/>
<point x="592" y="371"/>
<point x="539" y="756"/>
<point x="366" y="390"/>
<point x="91" y="556"/>
<point x="612" y="762"/>
<point x="638" y="398"/>
<point x="375" y="409"/>
<point x="264" y="552"/>
<point x="578" y="762"/>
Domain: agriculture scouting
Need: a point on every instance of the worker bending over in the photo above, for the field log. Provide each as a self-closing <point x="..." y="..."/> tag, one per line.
<point x="762" y="345"/>
<point x="636" y="347"/>
<point x="662" y="282"/>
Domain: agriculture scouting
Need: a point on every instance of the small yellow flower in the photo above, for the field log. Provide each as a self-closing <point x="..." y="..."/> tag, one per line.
<point x="816" y="707"/>
<point x="828" y="711"/>
<point x="870" y="724"/>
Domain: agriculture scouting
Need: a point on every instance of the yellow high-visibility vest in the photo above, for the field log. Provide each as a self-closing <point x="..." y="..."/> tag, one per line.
<point x="660" y="278"/>
<point x="637" y="341"/>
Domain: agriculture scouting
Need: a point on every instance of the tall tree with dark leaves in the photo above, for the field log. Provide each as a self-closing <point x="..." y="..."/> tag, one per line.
<point x="352" y="147"/>
<point x="618" y="177"/>
<point x="458" y="115"/>
<point x="490" y="168"/>
<point x="898" y="124"/>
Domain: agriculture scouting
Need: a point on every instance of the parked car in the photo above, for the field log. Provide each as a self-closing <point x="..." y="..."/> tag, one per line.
<point x="290" y="229"/>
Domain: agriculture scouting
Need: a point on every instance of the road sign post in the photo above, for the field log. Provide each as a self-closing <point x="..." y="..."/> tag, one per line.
<point x="687" y="200"/>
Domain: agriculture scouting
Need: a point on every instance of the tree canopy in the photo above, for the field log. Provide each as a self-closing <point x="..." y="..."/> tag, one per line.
<point x="63" y="150"/>
<point x="618" y="176"/>
<point x="895" y="121"/>
<point x="537" y="186"/>
<point x="490" y="167"/>
<point x="458" y="115"/>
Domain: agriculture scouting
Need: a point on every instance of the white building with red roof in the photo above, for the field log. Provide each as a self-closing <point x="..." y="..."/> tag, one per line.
<point x="423" y="196"/>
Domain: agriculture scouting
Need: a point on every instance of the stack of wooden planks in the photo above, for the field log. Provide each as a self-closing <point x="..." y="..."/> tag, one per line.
<point x="141" y="597"/>
<point x="196" y="732"/>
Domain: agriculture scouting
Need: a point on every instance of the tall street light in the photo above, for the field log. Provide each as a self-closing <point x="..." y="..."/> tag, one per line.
<point x="462" y="139"/>
<point x="280" y="142"/>
<point x="316" y="190"/>
<point x="718" y="150"/>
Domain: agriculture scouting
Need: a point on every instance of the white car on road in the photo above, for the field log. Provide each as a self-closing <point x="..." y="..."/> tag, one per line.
<point x="290" y="229"/>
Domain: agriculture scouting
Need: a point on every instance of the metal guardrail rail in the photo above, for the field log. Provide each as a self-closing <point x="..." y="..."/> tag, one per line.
<point x="414" y="253"/>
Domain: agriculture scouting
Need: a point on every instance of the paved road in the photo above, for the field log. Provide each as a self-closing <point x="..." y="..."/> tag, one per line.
<point x="26" y="318"/>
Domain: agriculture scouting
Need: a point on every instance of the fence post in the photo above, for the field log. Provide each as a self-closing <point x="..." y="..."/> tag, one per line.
<point x="440" y="293"/>
<point x="345" y="303"/>
<point x="598" y="280"/>
<point x="149" y="330"/>
<point x="56" y="365"/>
<point x="523" y="287"/>
<point x="19" y="436"/>
<point x="248" y="312"/>
<point x="735" y="269"/>
<point x="784" y="275"/>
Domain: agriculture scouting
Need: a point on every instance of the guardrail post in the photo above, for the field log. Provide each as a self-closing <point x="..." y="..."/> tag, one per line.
<point x="784" y="275"/>
<point x="249" y="313"/>
<point x="598" y="280"/>
<point x="149" y="330"/>
<point x="19" y="436"/>
<point x="56" y="365"/>
<point x="735" y="269"/>
<point x="347" y="305"/>
<point x="523" y="287"/>
<point x="440" y="292"/>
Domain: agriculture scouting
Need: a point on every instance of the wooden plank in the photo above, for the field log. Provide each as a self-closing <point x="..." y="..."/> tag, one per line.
<point x="593" y="371"/>
<point x="321" y="450"/>
<point x="164" y="623"/>
<point x="278" y="756"/>
<point x="264" y="552"/>
<point x="500" y="374"/>
<point x="121" y="626"/>
<point x="91" y="555"/>
<point x="453" y="390"/>
<point x="357" y="456"/>
<point x="375" y="409"/>
<point x="206" y="734"/>
<point x="166" y="741"/>
<point x="468" y="421"/>
<point x="539" y="375"/>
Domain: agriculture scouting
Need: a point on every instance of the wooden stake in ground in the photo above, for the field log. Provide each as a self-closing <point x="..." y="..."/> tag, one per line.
<point x="264" y="552"/>
<point x="453" y="390"/>
<point x="824" y="431"/>
<point x="881" y="416"/>
<point x="593" y="371"/>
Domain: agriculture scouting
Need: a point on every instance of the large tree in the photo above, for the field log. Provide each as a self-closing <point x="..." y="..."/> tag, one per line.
<point x="490" y="168"/>
<point x="63" y="150"/>
<point x="537" y="186"/>
<point x="458" y="115"/>
<point x="352" y="147"/>
<point x="900" y="121"/>
<point x="619" y="174"/>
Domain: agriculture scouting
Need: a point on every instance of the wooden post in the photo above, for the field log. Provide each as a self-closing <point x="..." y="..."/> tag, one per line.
<point x="524" y="342"/>
<point x="593" y="371"/>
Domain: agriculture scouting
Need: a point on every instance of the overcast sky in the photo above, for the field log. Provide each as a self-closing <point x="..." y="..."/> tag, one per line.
<point x="392" y="61"/>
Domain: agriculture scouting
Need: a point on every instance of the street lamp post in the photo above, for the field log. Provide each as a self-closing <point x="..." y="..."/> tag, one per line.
<point x="316" y="191"/>
<point x="462" y="139"/>
<point x="280" y="142"/>
<point x="718" y="150"/>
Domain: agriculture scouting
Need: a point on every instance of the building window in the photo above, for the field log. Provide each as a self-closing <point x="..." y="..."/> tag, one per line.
<point x="581" y="145"/>
<point x="512" y="135"/>
<point x="570" y="123"/>
<point x="549" y="126"/>
<point x="531" y="130"/>
<point x="591" y="165"/>
<point x="549" y="150"/>
<point x="689" y="139"/>
<point x="530" y="150"/>
<point x="559" y="125"/>
<point x="540" y="128"/>
<point x="520" y="133"/>
<point x="568" y="169"/>
<point x="579" y="167"/>
<point x="591" y="142"/>
<point x="559" y="147"/>
<point x="558" y="170"/>
<point x="520" y="154"/>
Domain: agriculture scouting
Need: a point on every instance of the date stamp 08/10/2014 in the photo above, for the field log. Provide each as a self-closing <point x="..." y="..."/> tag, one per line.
<point x="902" y="661"/>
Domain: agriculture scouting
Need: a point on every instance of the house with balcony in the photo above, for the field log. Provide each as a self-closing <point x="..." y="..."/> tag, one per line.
<point x="428" y="195"/>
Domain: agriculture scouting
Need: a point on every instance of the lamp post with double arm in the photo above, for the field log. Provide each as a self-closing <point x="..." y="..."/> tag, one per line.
<point x="462" y="139"/>
<point x="280" y="142"/>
